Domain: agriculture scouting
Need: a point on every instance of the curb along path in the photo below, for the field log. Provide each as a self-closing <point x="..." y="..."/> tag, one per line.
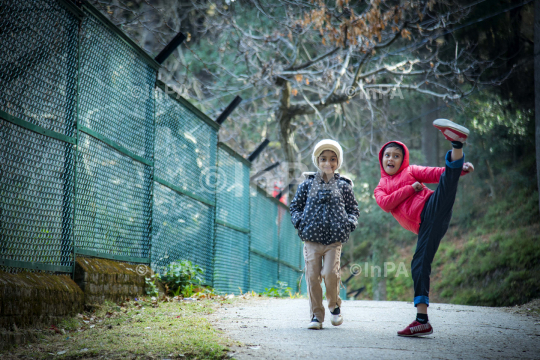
<point x="276" y="329"/>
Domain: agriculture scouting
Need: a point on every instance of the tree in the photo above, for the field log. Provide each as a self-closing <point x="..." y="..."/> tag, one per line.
<point x="537" y="87"/>
<point x="306" y="67"/>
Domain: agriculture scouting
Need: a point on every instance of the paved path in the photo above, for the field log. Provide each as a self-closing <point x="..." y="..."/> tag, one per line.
<point x="276" y="329"/>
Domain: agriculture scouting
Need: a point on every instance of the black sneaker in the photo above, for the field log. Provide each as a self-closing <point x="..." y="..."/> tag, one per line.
<point x="315" y="324"/>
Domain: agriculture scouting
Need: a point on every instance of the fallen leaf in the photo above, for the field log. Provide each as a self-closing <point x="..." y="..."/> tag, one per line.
<point x="56" y="330"/>
<point x="61" y="352"/>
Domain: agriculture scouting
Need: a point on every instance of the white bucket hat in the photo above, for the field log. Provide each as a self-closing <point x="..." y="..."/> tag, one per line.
<point x="327" y="144"/>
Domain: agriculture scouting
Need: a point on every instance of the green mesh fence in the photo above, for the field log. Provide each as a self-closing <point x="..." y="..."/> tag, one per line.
<point x="185" y="146"/>
<point x="290" y="276"/>
<point x="184" y="197"/>
<point x="38" y="41"/>
<point x="264" y="240"/>
<point x="115" y="144"/>
<point x="183" y="228"/>
<point x="231" y="264"/>
<point x="263" y="273"/>
<point x="343" y="292"/>
<point x="97" y="184"/>
<point x="290" y="249"/>
<point x="303" y="284"/>
<point x="263" y="218"/>
<point x="113" y="201"/>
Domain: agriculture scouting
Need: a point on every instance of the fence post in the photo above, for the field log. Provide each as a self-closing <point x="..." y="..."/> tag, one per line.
<point x="76" y="160"/>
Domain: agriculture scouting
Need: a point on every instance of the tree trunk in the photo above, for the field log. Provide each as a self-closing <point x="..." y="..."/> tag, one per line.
<point x="284" y="119"/>
<point x="429" y="133"/>
<point x="537" y="88"/>
<point x="285" y="139"/>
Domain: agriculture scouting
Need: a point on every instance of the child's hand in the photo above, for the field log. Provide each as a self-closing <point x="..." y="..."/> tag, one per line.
<point x="468" y="167"/>
<point x="417" y="186"/>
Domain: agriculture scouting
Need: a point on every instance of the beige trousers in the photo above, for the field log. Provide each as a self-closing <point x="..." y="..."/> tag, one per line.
<point x="322" y="262"/>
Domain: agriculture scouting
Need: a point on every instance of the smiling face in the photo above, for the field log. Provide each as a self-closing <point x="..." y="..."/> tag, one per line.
<point x="392" y="159"/>
<point x="328" y="161"/>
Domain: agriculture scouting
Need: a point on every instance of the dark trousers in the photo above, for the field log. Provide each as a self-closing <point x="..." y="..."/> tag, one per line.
<point x="435" y="219"/>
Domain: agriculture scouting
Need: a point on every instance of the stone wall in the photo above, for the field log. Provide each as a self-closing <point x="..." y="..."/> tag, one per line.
<point x="103" y="279"/>
<point x="38" y="300"/>
<point x="30" y="299"/>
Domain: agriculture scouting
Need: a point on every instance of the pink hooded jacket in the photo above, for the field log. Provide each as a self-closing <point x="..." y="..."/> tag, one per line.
<point x="395" y="194"/>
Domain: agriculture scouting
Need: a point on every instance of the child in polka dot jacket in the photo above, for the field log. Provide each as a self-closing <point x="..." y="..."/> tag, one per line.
<point x="325" y="212"/>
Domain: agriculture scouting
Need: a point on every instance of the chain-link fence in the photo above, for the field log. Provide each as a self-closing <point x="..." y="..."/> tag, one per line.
<point x="231" y="272"/>
<point x="97" y="158"/>
<point x="38" y="84"/>
<point x="184" y="194"/>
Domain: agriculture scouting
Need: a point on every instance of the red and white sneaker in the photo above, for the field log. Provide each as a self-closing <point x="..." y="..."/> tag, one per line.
<point x="416" y="329"/>
<point x="451" y="130"/>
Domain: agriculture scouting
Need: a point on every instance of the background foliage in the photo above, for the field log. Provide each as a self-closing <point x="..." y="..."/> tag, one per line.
<point x="491" y="253"/>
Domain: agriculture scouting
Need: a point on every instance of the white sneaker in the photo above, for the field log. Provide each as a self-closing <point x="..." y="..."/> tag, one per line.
<point x="315" y="324"/>
<point x="336" y="319"/>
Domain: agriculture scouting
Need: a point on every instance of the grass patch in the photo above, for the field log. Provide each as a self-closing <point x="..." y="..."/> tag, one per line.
<point x="172" y="329"/>
<point x="500" y="269"/>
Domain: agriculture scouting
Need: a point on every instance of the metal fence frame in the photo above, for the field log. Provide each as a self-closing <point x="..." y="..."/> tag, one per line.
<point x="6" y="259"/>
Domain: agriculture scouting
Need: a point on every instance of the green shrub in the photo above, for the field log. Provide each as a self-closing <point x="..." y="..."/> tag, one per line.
<point x="282" y="290"/>
<point x="181" y="277"/>
<point x="151" y="287"/>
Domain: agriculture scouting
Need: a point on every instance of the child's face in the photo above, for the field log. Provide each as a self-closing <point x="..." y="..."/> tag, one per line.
<point x="392" y="159"/>
<point x="328" y="161"/>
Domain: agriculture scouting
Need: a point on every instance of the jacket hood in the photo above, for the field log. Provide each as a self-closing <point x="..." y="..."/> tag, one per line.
<point x="404" y="164"/>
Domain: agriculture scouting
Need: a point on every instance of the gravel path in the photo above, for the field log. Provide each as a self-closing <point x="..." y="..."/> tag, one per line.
<point x="276" y="329"/>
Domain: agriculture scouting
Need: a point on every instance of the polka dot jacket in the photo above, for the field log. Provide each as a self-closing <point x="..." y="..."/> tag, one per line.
<point x="324" y="212"/>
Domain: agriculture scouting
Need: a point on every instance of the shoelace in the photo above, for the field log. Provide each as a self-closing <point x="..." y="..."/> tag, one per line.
<point x="418" y="328"/>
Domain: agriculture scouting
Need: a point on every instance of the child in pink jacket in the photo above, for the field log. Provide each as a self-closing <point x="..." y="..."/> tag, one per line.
<point x="425" y="212"/>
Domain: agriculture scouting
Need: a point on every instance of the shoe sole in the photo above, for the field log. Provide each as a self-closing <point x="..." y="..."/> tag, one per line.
<point x="444" y="123"/>
<point x="416" y="335"/>
<point x="315" y="327"/>
<point x="337" y="323"/>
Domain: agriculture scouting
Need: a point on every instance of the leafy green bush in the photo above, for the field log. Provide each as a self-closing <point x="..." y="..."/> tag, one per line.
<point x="181" y="277"/>
<point x="282" y="290"/>
<point x="151" y="287"/>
